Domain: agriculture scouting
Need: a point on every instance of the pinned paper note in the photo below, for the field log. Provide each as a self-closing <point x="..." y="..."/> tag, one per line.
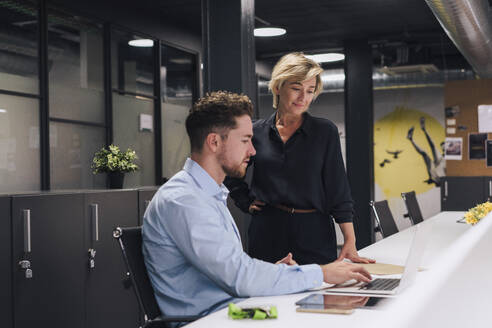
<point x="450" y="130"/>
<point x="451" y="121"/>
<point x="476" y="145"/>
<point x="146" y="123"/>
<point x="484" y="118"/>
<point x="453" y="148"/>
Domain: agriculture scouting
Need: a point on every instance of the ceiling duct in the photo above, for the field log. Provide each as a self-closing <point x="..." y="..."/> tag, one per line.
<point x="468" y="25"/>
<point x="409" y="69"/>
<point x="334" y="80"/>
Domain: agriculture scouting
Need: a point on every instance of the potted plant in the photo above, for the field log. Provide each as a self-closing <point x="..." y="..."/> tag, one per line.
<point x="116" y="163"/>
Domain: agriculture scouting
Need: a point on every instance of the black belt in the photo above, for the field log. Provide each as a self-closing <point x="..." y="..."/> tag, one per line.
<point x="292" y="210"/>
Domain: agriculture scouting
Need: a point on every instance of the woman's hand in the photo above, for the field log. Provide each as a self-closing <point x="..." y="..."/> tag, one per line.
<point x="287" y="260"/>
<point x="350" y="252"/>
<point x="256" y="205"/>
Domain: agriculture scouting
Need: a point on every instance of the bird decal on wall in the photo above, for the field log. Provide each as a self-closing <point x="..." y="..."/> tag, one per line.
<point x="394" y="153"/>
<point x="384" y="162"/>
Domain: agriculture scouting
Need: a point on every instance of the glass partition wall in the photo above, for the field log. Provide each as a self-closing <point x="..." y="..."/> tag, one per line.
<point x="178" y="91"/>
<point x="132" y="67"/>
<point x="70" y="85"/>
<point x="19" y="97"/>
<point x="76" y="99"/>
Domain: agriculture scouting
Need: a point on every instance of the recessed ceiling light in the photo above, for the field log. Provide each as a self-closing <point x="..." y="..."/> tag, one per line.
<point x="326" y="58"/>
<point x="269" y="31"/>
<point x="3" y="110"/>
<point x="141" y="43"/>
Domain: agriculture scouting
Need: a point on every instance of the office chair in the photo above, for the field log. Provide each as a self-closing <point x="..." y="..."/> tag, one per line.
<point x="384" y="218"/>
<point x="413" y="207"/>
<point x="130" y="241"/>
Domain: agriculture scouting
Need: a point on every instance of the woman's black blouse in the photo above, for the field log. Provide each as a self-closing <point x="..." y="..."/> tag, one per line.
<point x="306" y="172"/>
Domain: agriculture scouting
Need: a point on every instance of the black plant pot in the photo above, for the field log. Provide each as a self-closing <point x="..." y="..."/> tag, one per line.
<point x="116" y="180"/>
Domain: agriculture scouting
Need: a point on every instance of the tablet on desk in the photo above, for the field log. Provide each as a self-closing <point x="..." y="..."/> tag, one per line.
<point x="312" y="308"/>
<point x="336" y="304"/>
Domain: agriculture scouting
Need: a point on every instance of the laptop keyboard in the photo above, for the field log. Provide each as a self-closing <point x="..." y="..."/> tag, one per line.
<point x="382" y="284"/>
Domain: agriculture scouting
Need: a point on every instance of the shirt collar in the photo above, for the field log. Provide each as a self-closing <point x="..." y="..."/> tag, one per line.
<point x="304" y="128"/>
<point x="205" y="181"/>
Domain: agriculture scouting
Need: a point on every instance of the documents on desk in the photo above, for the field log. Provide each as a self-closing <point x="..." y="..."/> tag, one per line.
<point x="383" y="269"/>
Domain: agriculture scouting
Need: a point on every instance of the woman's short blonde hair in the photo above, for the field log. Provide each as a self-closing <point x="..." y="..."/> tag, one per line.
<point x="294" y="66"/>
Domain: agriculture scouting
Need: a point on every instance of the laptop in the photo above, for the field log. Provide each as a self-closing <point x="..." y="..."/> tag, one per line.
<point x="391" y="286"/>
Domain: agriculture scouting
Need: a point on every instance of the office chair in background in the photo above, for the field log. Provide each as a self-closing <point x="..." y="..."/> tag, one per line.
<point x="384" y="218"/>
<point x="130" y="241"/>
<point x="413" y="207"/>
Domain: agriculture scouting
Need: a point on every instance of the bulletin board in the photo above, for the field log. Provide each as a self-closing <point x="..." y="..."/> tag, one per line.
<point x="462" y="98"/>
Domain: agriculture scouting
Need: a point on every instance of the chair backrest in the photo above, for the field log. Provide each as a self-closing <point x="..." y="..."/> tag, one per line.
<point x="383" y="216"/>
<point x="413" y="207"/>
<point x="130" y="241"/>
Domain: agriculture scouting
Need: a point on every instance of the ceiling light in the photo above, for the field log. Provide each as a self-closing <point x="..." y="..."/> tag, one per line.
<point x="326" y="58"/>
<point x="180" y="61"/>
<point x="141" y="43"/>
<point x="3" y="110"/>
<point x="269" y="31"/>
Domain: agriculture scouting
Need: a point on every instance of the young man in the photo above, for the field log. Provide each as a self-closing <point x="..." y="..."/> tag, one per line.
<point x="191" y="245"/>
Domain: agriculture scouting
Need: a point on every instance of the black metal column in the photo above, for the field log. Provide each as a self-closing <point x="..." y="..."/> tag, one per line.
<point x="44" y="113"/>
<point x="359" y="132"/>
<point x="157" y="113"/>
<point x="108" y="89"/>
<point x="228" y="46"/>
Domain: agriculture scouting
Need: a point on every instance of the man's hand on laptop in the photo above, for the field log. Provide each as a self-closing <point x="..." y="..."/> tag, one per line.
<point x="287" y="260"/>
<point x="339" y="272"/>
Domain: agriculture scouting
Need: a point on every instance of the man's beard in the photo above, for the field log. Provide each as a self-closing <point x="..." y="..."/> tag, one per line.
<point x="237" y="171"/>
<point x="234" y="172"/>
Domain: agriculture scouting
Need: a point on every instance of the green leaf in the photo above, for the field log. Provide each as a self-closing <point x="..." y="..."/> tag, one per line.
<point x="114" y="160"/>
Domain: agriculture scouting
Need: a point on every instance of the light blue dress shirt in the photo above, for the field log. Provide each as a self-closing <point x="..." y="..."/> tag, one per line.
<point x="193" y="251"/>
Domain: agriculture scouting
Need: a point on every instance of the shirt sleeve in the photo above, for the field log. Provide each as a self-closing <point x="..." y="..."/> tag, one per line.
<point x="239" y="192"/>
<point x="339" y="197"/>
<point x="201" y="235"/>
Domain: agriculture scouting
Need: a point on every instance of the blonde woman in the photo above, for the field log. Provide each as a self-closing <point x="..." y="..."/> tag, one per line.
<point x="299" y="182"/>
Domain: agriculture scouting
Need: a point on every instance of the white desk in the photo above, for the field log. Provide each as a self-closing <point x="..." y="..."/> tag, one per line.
<point x="389" y="250"/>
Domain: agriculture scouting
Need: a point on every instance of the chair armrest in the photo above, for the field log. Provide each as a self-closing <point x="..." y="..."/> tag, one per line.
<point x="161" y="322"/>
<point x="155" y="324"/>
<point x="182" y="318"/>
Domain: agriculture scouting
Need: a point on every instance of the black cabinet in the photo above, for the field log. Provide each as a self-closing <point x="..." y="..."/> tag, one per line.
<point x="48" y="261"/>
<point x="108" y="303"/>
<point x="5" y="263"/>
<point x="61" y="266"/>
<point x="463" y="193"/>
<point x="487" y="188"/>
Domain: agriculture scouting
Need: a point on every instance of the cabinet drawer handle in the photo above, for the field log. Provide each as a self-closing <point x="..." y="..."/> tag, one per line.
<point x="95" y="221"/>
<point x="26" y="215"/>
<point x="445" y="189"/>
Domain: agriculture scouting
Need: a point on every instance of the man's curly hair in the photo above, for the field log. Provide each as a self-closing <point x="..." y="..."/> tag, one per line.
<point x="215" y="112"/>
